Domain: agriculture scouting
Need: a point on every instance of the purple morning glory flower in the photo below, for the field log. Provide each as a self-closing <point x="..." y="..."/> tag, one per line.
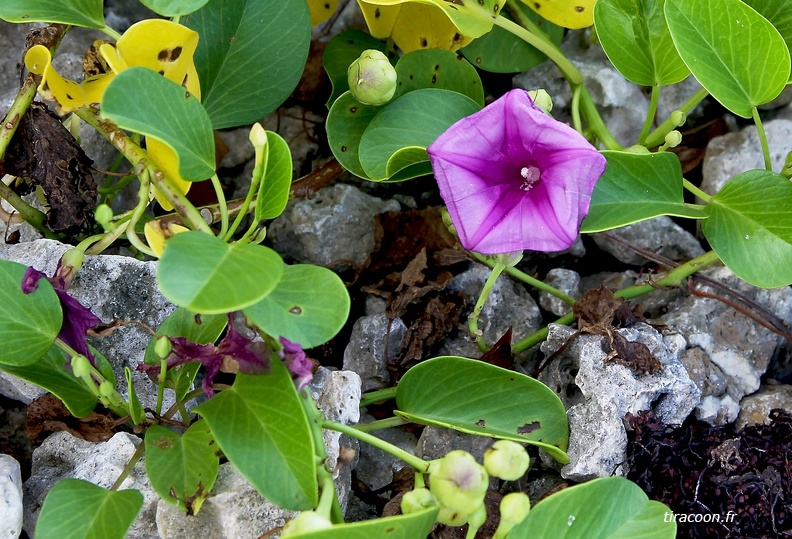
<point x="234" y="353"/>
<point x="514" y="178"/>
<point x="300" y="366"/>
<point x="77" y="319"/>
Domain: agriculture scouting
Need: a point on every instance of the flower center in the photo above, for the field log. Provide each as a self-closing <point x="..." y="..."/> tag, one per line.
<point x="530" y="175"/>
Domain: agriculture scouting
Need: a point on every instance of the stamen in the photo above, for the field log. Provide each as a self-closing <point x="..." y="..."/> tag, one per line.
<point x="530" y="176"/>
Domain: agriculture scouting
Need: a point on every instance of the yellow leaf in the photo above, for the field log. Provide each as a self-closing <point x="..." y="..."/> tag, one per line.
<point x="566" y="13"/>
<point x="413" y="26"/>
<point x="157" y="232"/>
<point x="321" y="10"/>
<point x="165" y="158"/>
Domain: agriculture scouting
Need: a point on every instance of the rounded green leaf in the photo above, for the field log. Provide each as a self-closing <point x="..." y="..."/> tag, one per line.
<point x="441" y="69"/>
<point x="250" y="56"/>
<point x="77" y="509"/>
<point x="273" y="193"/>
<point x="206" y="275"/>
<point x="635" y="37"/>
<point x="470" y="396"/>
<point x="412" y="526"/>
<point x="309" y="306"/>
<point x="261" y="426"/>
<point x="182" y="469"/>
<point x="779" y="13"/>
<point x="88" y="13"/>
<point x="636" y="187"/>
<point x="50" y="373"/>
<point x="173" y="8"/>
<point x="499" y="52"/>
<point x="415" y="119"/>
<point x="750" y="227"/>
<point x="140" y="100"/>
<point x="735" y="53"/>
<point x="29" y="323"/>
<point x="346" y="123"/>
<point x="340" y="52"/>
<point x="605" y="508"/>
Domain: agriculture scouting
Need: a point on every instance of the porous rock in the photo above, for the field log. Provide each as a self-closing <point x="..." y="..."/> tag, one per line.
<point x="376" y="467"/>
<point x="598" y="395"/>
<point x="336" y="225"/>
<point x="755" y="409"/>
<point x="366" y="352"/>
<point x="10" y="498"/>
<point x="563" y="280"/>
<point x="659" y="236"/>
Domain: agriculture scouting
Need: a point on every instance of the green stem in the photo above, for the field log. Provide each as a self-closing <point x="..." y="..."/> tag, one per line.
<point x="161" y="385"/>
<point x="527" y="279"/>
<point x="137" y="213"/>
<point x="762" y="139"/>
<point x="418" y="463"/>
<point x="381" y="424"/>
<point x="329" y="504"/>
<point x="18" y="108"/>
<point x="139" y="159"/>
<point x="595" y="122"/>
<point x="695" y="190"/>
<point x="657" y="136"/>
<point x="380" y="395"/>
<point x="110" y="32"/>
<point x="475" y="332"/>
<point x="108" y="240"/>
<point x="650" y="115"/>
<point x="576" y="122"/>
<point x="241" y="213"/>
<point x="30" y="214"/>
<point x="221" y="201"/>
<point x="130" y="466"/>
<point x="672" y="278"/>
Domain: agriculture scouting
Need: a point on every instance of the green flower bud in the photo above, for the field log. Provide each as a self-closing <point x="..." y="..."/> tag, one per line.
<point x="458" y="482"/>
<point x="107" y="388"/>
<point x="163" y="347"/>
<point x="477" y="520"/>
<point x="450" y="517"/>
<point x="258" y="138"/>
<point x="103" y="215"/>
<point x="417" y="500"/>
<point x="637" y="148"/>
<point x="542" y="100"/>
<point x="446" y="217"/>
<point x="73" y="257"/>
<point x="305" y="522"/>
<point x="678" y="118"/>
<point x="81" y="367"/>
<point x="514" y="507"/>
<point x="507" y="460"/>
<point x="673" y="139"/>
<point x="372" y="78"/>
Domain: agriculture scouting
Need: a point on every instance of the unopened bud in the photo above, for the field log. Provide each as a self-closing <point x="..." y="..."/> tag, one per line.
<point x="449" y="517"/>
<point x="74" y="258"/>
<point x="678" y="118"/>
<point x="514" y="507"/>
<point x="673" y="139"/>
<point x="258" y="138"/>
<point x="542" y="100"/>
<point x="447" y="221"/>
<point x="372" y="78"/>
<point x="107" y="389"/>
<point x="458" y="482"/>
<point x="306" y="522"/>
<point x="417" y="500"/>
<point x="103" y="216"/>
<point x="637" y="148"/>
<point x="80" y="365"/>
<point x="477" y="519"/>
<point x="507" y="460"/>
<point x="163" y="347"/>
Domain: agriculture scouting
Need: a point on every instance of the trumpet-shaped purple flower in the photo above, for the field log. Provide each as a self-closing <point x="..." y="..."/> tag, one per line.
<point x="514" y="178"/>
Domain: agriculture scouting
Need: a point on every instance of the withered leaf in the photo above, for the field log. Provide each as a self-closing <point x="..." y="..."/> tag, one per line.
<point x="44" y="151"/>
<point x="48" y="414"/>
<point x="500" y="354"/>
<point x="634" y="355"/>
<point x="597" y="307"/>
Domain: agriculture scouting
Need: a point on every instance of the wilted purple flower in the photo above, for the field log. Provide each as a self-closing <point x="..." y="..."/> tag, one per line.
<point x="300" y="366"/>
<point x="234" y="353"/>
<point x="77" y="320"/>
<point x="514" y="178"/>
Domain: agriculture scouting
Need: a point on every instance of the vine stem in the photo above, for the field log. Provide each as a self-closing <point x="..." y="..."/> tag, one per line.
<point x="130" y="465"/>
<point x="527" y="279"/>
<point x="419" y="464"/>
<point x="657" y="136"/>
<point x="650" y="115"/>
<point x="695" y="190"/>
<point x="475" y="332"/>
<point x="762" y="139"/>
<point x="672" y="278"/>
<point x="381" y="424"/>
<point x="380" y="395"/>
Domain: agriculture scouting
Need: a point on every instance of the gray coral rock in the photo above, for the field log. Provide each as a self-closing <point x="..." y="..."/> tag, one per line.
<point x="566" y="281"/>
<point x="375" y="340"/>
<point x="755" y="409"/>
<point x="598" y="395"/>
<point x="657" y="236"/>
<point x="10" y="498"/>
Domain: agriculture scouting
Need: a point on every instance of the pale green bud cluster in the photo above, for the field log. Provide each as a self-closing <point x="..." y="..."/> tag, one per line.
<point x="507" y="460"/>
<point x="417" y="500"/>
<point x="306" y="522"/>
<point x="542" y="100"/>
<point x="372" y="78"/>
<point x="163" y="347"/>
<point x="459" y="484"/>
<point x="104" y="215"/>
<point x="514" y="507"/>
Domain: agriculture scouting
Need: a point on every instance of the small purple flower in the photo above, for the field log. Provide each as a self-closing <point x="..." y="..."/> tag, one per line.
<point x="514" y="178"/>
<point x="77" y="319"/>
<point x="300" y="366"/>
<point x="234" y="353"/>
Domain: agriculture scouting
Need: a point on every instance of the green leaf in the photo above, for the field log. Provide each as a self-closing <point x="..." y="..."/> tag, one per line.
<point x="29" y="323"/>
<point x="605" y="508"/>
<point x="735" y="53"/>
<point x="478" y="398"/>
<point x="346" y="123"/>
<point x="88" y="13"/>
<point x="250" y="56"/>
<point x="636" y="39"/>
<point x="309" y="306"/>
<point x="136" y="412"/>
<point x="50" y="373"/>
<point x="140" y="100"/>
<point x="182" y="469"/>
<point x="779" y="13"/>
<point x="440" y="69"/>
<point x="77" y="509"/>
<point x="340" y="52"/>
<point x="173" y="8"/>
<point x="415" y="119"/>
<point x="497" y="51"/>
<point x="202" y="273"/>
<point x="636" y="187"/>
<point x="261" y="426"/>
<point x="750" y="227"/>
<point x="412" y="526"/>
<point x="273" y="193"/>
